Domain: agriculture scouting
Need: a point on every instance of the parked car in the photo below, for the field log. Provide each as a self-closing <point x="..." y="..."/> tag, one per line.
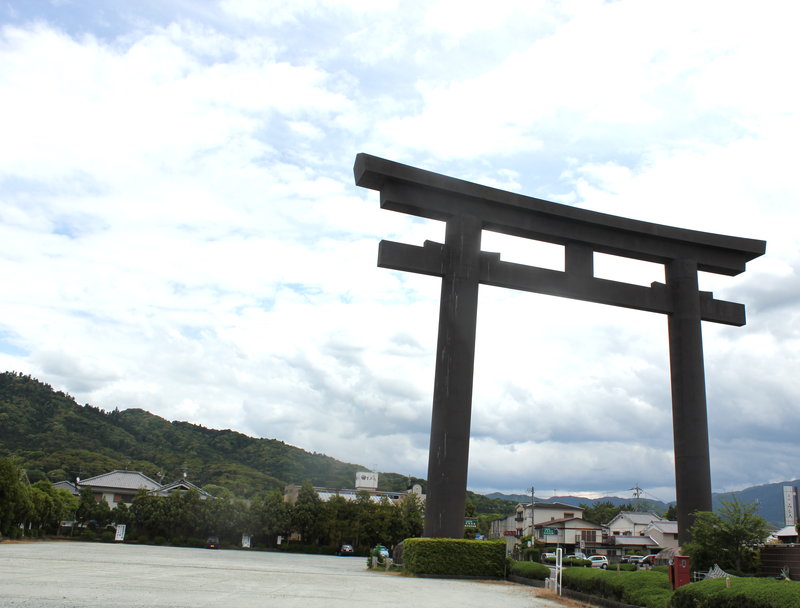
<point x="599" y="561"/>
<point x="212" y="542"/>
<point x="648" y="560"/>
<point x="575" y="556"/>
<point x="546" y="556"/>
<point x="346" y="550"/>
<point x="382" y="551"/>
<point x="635" y="559"/>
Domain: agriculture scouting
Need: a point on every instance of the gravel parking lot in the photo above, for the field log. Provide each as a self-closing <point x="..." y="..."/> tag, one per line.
<point x="87" y="575"/>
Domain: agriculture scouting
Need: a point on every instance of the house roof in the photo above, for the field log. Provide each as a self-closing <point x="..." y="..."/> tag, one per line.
<point x="637" y="517"/>
<point x="586" y="523"/>
<point x="665" y="526"/>
<point x="122" y="480"/>
<point x="181" y="484"/>
<point x="66" y="485"/>
<point x="632" y="541"/>
<point x="787" y="531"/>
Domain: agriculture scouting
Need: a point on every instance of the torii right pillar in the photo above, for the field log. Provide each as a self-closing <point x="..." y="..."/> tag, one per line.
<point x="689" y="413"/>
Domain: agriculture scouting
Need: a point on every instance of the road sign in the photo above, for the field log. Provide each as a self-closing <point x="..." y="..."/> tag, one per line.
<point x="470" y="523"/>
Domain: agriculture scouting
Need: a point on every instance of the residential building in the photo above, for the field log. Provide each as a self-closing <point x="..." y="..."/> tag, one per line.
<point x="631" y="523"/>
<point x="664" y="533"/>
<point x="573" y="533"/>
<point x="526" y="516"/>
<point x="641" y="533"/>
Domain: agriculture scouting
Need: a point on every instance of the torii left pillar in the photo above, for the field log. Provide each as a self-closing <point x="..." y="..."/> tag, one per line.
<point x="452" y="391"/>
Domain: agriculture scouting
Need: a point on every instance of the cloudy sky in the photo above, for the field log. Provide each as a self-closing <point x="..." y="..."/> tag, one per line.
<point x="180" y="230"/>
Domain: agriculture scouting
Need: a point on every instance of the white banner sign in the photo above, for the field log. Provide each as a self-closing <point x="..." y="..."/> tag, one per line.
<point x="790" y="505"/>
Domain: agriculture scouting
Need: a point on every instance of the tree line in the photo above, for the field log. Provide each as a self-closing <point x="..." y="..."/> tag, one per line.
<point x="187" y="519"/>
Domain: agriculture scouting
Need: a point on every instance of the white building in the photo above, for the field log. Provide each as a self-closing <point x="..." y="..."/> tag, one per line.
<point x="365" y="482"/>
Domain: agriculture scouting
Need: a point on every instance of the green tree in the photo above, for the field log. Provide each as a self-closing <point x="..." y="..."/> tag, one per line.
<point x="412" y="516"/>
<point x="121" y="514"/>
<point x="602" y="512"/>
<point x="149" y="515"/>
<point x="471" y="512"/>
<point x="50" y="506"/>
<point x="364" y="520"/>
<point x="729" y="538"/>
<point x="306" y="514"/>
<point x="15" y="500"/>
<point x="671" y="513"/>
<point x="273" y="517"/>
<point x="339" y="520"/>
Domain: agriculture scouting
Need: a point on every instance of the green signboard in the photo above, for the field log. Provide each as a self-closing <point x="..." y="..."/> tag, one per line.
<point x="470" y="524"/>
<point x="549" y="531"/>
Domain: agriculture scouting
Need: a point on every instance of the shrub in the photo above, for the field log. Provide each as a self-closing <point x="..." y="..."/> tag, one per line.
<point x="159" y="540"/>
<point x="641" y="588"/>
<point x="107" y="536"/>
<point x="455" y="557"/>
<point x="743" y="593"/>
<point x="532" y="570"/>
<point x="89" y="535"/>
<point x="531" y="554"/>
<point x="195" y="542"/>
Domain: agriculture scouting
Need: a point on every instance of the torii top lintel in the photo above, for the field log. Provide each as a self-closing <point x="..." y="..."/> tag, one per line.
<point x="426" y="194"/>
<point x="432" y="195"/>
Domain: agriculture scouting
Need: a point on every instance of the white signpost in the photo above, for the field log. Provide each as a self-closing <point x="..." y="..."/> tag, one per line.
<point x="559" y="568"/>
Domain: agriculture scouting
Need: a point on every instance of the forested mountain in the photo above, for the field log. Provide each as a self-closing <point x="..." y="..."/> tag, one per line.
<point x="52" y="436"/>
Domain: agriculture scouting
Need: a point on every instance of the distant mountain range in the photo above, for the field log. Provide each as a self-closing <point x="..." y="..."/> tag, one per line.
<point x="768" y="497"/>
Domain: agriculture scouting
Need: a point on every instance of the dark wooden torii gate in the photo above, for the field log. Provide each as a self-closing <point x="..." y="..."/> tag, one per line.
<point x="468" y="209"/>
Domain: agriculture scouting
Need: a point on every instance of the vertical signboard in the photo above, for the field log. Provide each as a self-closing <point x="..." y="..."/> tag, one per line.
<point x="790" y="505"/>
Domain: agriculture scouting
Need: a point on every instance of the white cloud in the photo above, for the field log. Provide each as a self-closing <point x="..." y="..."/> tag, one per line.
<point x="180" y="225"/>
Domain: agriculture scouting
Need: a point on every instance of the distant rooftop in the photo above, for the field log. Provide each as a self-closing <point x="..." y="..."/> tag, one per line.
<point x="127" y="480"/>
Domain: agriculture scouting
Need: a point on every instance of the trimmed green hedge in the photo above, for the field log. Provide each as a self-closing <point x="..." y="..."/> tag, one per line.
<point x="641" y="588"/>
<point x="455" y="557"/>
<point x="743" y="593"/>
<point x="568" y="562"/>
<point x="533" y="570"/>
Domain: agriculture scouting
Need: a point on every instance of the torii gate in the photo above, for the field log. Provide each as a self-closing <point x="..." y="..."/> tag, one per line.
<point x="468" y="209"/>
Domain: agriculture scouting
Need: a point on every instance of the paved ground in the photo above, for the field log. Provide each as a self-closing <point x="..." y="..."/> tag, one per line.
<point x="89" y="575"/>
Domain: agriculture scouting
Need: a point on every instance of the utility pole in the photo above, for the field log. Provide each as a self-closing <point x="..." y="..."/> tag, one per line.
<point x="533" y="521"/>
<point x="637" y="493"/>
